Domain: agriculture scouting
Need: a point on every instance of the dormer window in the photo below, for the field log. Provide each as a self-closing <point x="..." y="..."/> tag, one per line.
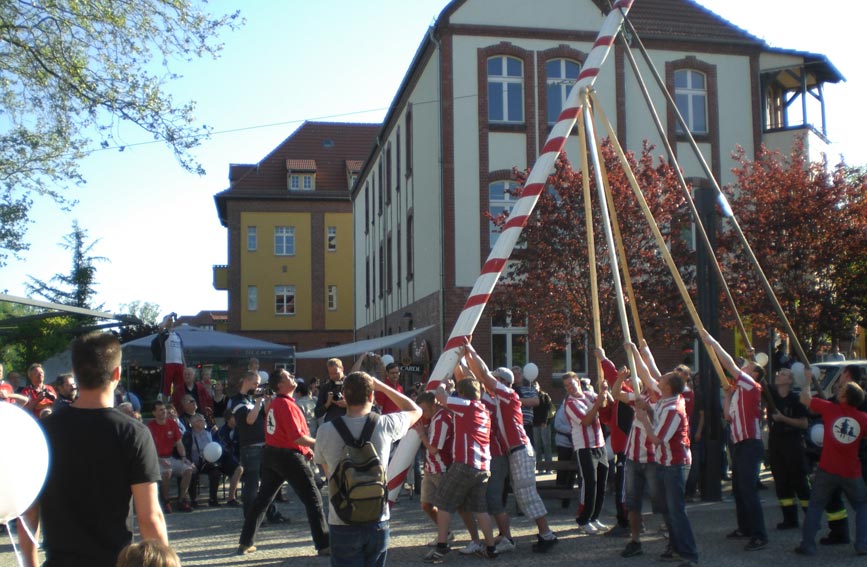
<point x="301" y="174"/>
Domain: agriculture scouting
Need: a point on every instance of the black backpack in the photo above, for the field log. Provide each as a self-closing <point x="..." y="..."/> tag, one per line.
<point x="358" y="487"/>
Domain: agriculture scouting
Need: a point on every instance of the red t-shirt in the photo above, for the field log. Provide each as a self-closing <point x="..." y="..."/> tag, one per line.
<point x="609" y="413"/>
<point x="844" y="427"/>
<point x="284" y="424"/>
<point x="472" y="433"/>
<point x="166" y="436"/>
<point x="32" y="393"/>
<point x="384" y="402"/>
<point x="7" y="389"/>
<point x="441" y="435"/>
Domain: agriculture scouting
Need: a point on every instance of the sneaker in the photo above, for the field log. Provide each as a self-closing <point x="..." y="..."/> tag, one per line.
<point x="184" y="506"/>
<point x="167" y="507"/>
<point x="435" y="540"/>
<point x="589" y="529"/>
<point x="670" y="556"/>
<point x="505" y="545"/>
<point x="832" y="539"/>
<point x="488" y="552"/>
<point x="436" y="555"/>
<point x="736" y="534"/>
<point x="599" y="525"/>
<point x="755" y="544"/>
<point x="543" y="545"/>
<point x="246" y="549"/>
<point x="471" y="548"/>
<point x="233" y="503"/>
<point x="632" y="549"/>
<point x="617" y="531"/>
<point x="800" y="550"/>
<point x="324" y="552"/>
<point x="279" y="518"/>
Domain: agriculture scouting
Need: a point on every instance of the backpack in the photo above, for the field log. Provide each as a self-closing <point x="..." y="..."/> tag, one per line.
<point x="358" y="486"/>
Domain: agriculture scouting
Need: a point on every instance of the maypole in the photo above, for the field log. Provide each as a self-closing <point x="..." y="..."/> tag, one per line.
<point x="502" y="250"/>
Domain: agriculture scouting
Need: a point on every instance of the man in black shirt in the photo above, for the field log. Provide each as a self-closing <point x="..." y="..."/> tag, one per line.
<point x="330" y="403"/>
<point x="100" y="458"/>
<point x="786" y="425"/>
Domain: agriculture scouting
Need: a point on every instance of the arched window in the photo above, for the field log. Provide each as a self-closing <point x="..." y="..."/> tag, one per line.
<point x="560" y="75"/>
<point x="505" y="89"/>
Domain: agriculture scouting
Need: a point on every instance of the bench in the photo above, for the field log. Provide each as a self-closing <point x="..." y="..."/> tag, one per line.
<point x="548" y="488"/>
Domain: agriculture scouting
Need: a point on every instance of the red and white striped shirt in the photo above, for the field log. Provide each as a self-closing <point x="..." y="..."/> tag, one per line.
<point x="510" y="419"/>
<point x="746" y="409"/>
<point x="672" y="426"/>
<point x="472" y="433"/>
<point x="498" y="444"/>
<point x="639" y="447"/>
<point x="441" y="434"/>
<point x="584" y="436"/>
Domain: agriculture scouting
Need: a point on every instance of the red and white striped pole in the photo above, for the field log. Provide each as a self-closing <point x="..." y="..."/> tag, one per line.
<point x="487" y="280"/>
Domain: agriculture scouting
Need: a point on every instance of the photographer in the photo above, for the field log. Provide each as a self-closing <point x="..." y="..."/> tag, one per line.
<point x="39" y="394"/>
<point x="249" y="406"/>
<point x="330" y="403"/>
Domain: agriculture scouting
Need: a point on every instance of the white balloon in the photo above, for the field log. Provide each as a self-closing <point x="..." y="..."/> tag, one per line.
<point x="798" y="374"/>
<point x="387" y="359"/>
<point x="212" y="452"/>
<point x="531" y="371"/>
<point x="817" y="434"/>
<point x="23" y="461"/>
<point x="761" y="359"/>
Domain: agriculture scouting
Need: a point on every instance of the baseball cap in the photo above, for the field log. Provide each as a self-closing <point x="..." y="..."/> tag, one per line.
<point x="504" y="374"/>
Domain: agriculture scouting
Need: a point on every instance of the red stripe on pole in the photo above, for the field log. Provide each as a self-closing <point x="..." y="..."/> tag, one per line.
<point x="474" y="300"/>
<point x="604" y="41"/>
<point x="532" y="190"/>
<point x="516" y="222"/>
<point x="457" y="342"/>
<point x="625" y="4"/>
<point x="554" y="144"/>
<point x="570" y="113"/>
<point x="397" y="480"/>
<point x="494" y="265"/>
<point x="591" y="72"/>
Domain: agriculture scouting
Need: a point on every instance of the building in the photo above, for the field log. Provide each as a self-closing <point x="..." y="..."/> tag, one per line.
<point x="478" y="99"/>
<point x="289" y="218"/>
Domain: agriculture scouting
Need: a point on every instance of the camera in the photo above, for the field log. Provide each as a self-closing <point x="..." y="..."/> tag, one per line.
<point x="262" y="391"/>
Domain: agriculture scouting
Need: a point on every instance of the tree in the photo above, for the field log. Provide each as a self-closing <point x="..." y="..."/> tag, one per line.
<point x="549" y="282"/>
<point x="807" y="225"/>
<point x="147" y="313"/>
<point x="71" y="72"/>
<point x="78" y="287"/>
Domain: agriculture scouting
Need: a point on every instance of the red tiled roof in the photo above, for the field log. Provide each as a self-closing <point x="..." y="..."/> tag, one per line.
<point x="354" y="165"/>
<point x="300" y="165"/>
<point x="685" y="20"/>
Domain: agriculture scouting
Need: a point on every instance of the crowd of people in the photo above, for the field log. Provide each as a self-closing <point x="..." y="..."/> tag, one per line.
<point x="482" y="433"/>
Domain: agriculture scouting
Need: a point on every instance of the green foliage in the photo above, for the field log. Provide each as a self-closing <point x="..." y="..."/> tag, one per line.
<point x="71" y="72"/>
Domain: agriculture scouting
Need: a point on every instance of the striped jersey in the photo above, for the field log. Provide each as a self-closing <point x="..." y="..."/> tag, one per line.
<point x="498" y="444"/>
<point x="639" y="447"/>
<point x="584" y="436"/>
<point x="510" y="419"/>
<point x="671" y="425"/>
<point x="472" y="433"/>
<point x="746" y="409"/>
<point x="441" y="434"/>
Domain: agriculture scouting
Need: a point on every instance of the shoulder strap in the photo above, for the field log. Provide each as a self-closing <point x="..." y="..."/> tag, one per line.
<point x="366" y="432"/>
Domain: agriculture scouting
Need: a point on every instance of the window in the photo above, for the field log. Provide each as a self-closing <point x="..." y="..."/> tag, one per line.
<point x="252" y="239"/>
<point x="690" y="94"/>
<point x="308" y="183"/>
<point x="397" y="255"/>
<point x="381" y="271"/>
<point x="284" y="241"/>
<point x="388" y="175"/>
<point x="294" y="182"/>
<point x="284" y="300"/>
<point x="381" y="184"/>
<point x="332" y="239"/>
<point x="572" y="357"/>
<point x="505" y="89"/>
<point x="397" y="160"/>
<point x="332" y="298"/>
<point x="500" y="200"/>
<point x="508" y="340"/>
<point x="409" y="250"/>
<point x="252" y="298"/>
<point x="366" y="207"/>
<point x="408" y="141"/>
<point x="367" y="281"/>
<point x="561" y="75"/>
<point x="389" y="275"/>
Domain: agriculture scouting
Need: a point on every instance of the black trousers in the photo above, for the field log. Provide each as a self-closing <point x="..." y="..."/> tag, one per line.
<point x="593" y="464"/>
<point x="279" y="465"/>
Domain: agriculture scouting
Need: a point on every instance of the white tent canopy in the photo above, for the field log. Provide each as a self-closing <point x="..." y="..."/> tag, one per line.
<point x="369" y="345"/>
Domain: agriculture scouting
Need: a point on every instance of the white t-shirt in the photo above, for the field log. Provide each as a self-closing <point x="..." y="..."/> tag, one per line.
<point x="174" y="349"/>
<point x="329" y="446"/>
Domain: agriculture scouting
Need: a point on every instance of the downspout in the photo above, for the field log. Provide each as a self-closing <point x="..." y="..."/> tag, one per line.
<point x="442" y="310"/>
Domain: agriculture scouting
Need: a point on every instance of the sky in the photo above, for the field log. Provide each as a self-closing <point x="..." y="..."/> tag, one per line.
<point x="293" y="61"/>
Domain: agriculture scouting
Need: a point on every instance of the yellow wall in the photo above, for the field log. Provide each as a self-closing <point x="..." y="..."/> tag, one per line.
<point x="338" y="271"/>
<point x="265" y="270"/>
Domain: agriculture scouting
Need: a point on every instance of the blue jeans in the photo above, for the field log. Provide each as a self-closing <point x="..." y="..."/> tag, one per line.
<point x="359" y="546"/>
<point x="672" y="479"/>
<point x="746" y="460"/>
<point x="824" y="486"/>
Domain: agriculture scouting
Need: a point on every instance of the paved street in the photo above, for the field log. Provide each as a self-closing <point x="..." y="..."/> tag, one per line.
<point x="210" y="537"/>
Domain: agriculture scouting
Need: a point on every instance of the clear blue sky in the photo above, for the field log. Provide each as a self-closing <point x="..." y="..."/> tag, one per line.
<point x="337" y="61"/>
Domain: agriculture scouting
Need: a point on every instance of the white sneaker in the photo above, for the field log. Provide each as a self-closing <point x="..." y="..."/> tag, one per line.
<point x="471" y="548"/>
<point x="600" y="526"/>
<point x="505" y="545"/>
<point x="588" y="528"/>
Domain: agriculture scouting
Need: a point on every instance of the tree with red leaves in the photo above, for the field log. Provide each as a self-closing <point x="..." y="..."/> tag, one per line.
<point x="548" y="277"/>
<point x="807" y="225"/>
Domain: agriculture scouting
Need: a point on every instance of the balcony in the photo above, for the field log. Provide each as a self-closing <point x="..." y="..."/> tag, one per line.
<point x="221" y="278"/>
